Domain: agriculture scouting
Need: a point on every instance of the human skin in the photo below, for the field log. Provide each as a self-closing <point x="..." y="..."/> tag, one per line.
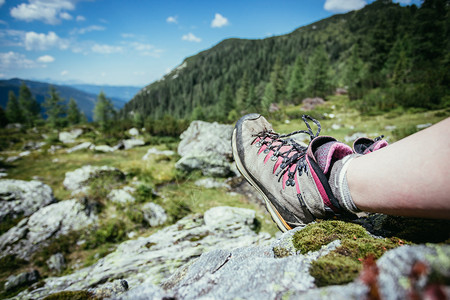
<point x="410" y="177"/>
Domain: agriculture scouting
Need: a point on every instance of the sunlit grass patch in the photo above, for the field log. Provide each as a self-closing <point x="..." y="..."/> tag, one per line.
<point x="199" y="199"/>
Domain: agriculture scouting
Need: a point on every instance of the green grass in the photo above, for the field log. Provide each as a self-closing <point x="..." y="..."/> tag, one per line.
<point x="351" y="121"/>
<point x="198" y="200"/>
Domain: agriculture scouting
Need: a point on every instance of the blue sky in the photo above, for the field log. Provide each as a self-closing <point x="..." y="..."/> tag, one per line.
<point x="135" y="42"/>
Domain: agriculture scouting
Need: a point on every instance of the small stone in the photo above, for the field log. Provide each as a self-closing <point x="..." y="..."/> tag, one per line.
<point x="56" y="262"/>
<point x="133" y="132"/>
<point x="154" y="214"/>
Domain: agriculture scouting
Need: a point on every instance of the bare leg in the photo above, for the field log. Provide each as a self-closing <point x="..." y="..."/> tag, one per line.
<point x="409" y="178"/>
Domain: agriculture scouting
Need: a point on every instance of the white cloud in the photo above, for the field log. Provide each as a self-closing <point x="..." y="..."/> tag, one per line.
<point x="127" y="35"/>
<point x="65" y="15"/>
<point x="172" y="19"/>
<point x="106" y="49"/>
<point x="2" y="2"/>
<point x="190" y="37"/>
<point x="343" y="5"/>
<point x="81" y="19"/>
<point x="403" y="1"/>
<point x="41" y="41"/>
<point x="87" y="29"/>
<point x="47" y="11"/>
<point x="64" y="72"/>
<point x="13" y="60"/>
<point x="46" y="59"/>
<point x="219" y="21"/>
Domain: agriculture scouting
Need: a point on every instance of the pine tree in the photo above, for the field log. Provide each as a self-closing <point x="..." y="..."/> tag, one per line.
<point x="296" y="81"/>
<point x="277" y="80"/>
<point x="3" y="119"/>
<point x="14" y="112"/>
<point x="73" y="113"/>
<point x="242" y="92"/>
<point x="317" y="79"/>
<point x="30" y="107"/>
<point x="55" y="108"/>
<point x="269" y="97"/>
<point x="226" y="101"/>
<point x="103" y="110"/>
<point x="354" y="74"/>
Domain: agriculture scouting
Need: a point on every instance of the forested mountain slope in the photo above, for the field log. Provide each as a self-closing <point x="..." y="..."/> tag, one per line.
<point x="402" y="52"/>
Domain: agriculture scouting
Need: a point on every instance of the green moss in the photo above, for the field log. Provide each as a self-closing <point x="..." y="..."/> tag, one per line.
<point x="71" y="295"/>
<point x="334" y="269"/>
<point x="343" y="264"/>
<point x="314" y="236"/>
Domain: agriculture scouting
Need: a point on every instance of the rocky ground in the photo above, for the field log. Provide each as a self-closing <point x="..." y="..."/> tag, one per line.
<point x="133" y="220"/>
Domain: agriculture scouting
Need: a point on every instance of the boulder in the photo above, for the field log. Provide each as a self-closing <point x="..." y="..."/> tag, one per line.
<point x="149" y="260"/>
<point x="154" y="214"/>
<point x="207" y="147"/>
<point x="22" y="279"/>
<point x="154" y="151"/>
<point x="131" y="143"/>
<point x="122" y="195"/>
<point x="49" y="222"/>
<point x="68" y="137"/>
<point x="78" y="179"/>
<point x="103" y="148"/>
<point x="56" y="262"/>
<point x="19" y="197"/>
<point x="210" y="183"/>
<point x="133" y="132"/>
<point x="85" y="145"/>
<point x="311" y="103"/>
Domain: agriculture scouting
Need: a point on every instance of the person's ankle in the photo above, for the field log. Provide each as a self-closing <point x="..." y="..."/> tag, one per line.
<point x="339" y="185"/>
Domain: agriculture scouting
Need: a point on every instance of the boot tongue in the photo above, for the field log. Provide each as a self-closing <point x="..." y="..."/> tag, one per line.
<point x="327" y="154"/>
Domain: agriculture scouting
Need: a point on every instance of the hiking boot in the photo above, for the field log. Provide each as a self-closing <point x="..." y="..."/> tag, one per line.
<point x="293" y="179"/>
<point x="365" y="145"/>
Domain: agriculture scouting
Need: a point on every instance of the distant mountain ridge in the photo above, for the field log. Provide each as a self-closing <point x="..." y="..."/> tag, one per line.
<point x="85" y="100"/>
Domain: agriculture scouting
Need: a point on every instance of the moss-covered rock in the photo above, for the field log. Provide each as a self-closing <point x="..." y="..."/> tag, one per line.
<point x="71" y="295"/>
<point x="343" y="264"/>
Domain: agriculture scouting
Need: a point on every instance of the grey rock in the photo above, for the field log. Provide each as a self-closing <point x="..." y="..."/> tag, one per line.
<point x="133" y="132"/>
<point x="11" y="159"/>
<point x="210" y="183"/>
<point x="207" y="147"/>
<point x="149" y="260"/>
<point x="111" y="289"/>
<point x="56" y="262"/>
<point x="78" y="147"/>
<point x="79" y="178"/>
<point x="103" y="148"/>
<point x="145" y="292"/>
<point x="131" y="143"/>
<point x="25" y="153"/>
<point x="423" y="126"/>
<point x="311" y="103"/>
<point x="396" y="267"/>
<point x="32" y="145"/>
<point x="19" y="197"/>
<point x="154" y="214"/>
<point x="22" y="279"/>
<point x="154" y="151"/>
<point x="68" y="137"/>
<point x="3" y="174"/>
<point x="49" y="222"/>
<point x="122" y="195"/>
